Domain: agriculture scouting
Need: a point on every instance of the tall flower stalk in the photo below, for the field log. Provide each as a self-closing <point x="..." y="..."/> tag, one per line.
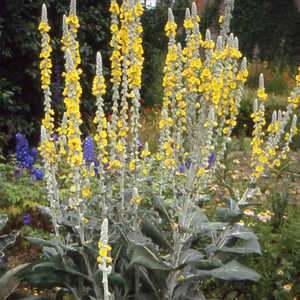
<point x="202" y="85"/>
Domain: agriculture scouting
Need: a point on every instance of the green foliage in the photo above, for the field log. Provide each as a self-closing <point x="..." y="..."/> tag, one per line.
<point x="18" y="195"/>
<point x="272" y="25"/>
<point x="8" y="282"/>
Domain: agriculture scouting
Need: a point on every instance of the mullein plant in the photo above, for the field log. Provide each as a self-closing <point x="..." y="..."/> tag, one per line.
<point x="151" y="251"/>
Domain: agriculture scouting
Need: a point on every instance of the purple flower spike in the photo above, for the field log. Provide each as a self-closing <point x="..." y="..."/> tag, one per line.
<point x="140" y="147"/>
<point x="22" y="149"/>
<point x="17" y="173"/>
<point x="55" y="137"/>
<point x="188" y="164"/>
<point x="34" y="153"/>
<point x="88" y="149"/>
<point x="181" y="168"/>
<point x="26" y="219"/>
<point x="37" y="174"/>
<point x="211" y="159"/>
<point x="179" y="194"/>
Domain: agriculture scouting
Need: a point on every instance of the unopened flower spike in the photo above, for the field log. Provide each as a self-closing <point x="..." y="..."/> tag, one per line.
<point x="294" y="123"/>
<point x="244" y="64"/>
<point x="261" y="81"/>
<point x="170" y="15"/>
<point x="73" y="8"/>
<point x="279" y="116"/>
<point x="274" y="117"/>
<point x="231" y="39"/>
<point x="44" y="14"/>
<point x="194" y="9"/>
<point x="219" y="45"/>
<point x="65" y="25"/>
<point x="236" y="43"/>
<point x="207" y="35"/>
<point x="187" y="14"/>
<point x="196" y="28"/>
<point x="98" y="64"/>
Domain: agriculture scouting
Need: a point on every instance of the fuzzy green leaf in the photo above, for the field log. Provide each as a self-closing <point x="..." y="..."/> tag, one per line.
<point x="190" y="256"/>
<point x="243" y="247"/>
<point x="3" y="221"/>
<point x="8" y="282"/>
<point x="235" y="271"/>
<point x="7" y="240"/>
<point x="229" y="215"/>
<point x="41" y="242"/>
<point x="242" y="232"/>
<point x="159" y="206"/>
<point x="144" y="256"/>
<point x="155" y="234"/>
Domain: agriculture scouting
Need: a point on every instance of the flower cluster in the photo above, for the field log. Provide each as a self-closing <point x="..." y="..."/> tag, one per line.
<point x="202" y="84"/>
<point x="265" y="216"/>
<point x="271" y="144"/>
<point x="26" y="158"/>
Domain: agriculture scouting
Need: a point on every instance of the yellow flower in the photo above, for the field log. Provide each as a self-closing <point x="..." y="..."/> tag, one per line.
<point x="259" y="168"/>
<point x="86" y="192"/>
<point x="287" y="286"/>
<point x="103" y="252"/>
<point x="261" y="94"/>
<point x="84" y="220"/>
<point x="221" y="19"/>
<point x="158" y="156"/>
<point x="120" y="147"/>
<point x="132" y="165"/>
<point x="114" y="28"/>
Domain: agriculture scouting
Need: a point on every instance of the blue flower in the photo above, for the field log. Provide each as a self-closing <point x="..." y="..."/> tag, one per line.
<point x="211" y="159"/>
<point x="26" y="219"/>
<point x="88" y="149"/>
<point x="181" y="168"/>
<point x="37" y="174"/>
<point x="179" y="194"/>
<point x="34" y="153"/>
<point x="22" y="150"/>
<point x="55" y="137"/>
<point x="188" y="164"/>
<point x="17" y="173"/>
<point x="140" y="147"/>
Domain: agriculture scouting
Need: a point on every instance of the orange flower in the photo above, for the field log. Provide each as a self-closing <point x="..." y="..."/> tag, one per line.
<point x="199" y="4"/>
<point x="286" y="76"/>
<point x="148" y="109"/>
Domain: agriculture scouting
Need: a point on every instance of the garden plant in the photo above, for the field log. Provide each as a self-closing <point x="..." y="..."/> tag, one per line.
<point x="127" y="223"/>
